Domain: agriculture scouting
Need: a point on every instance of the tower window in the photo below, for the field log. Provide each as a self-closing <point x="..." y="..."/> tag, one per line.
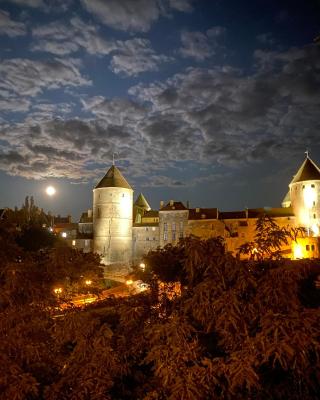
<point x="312" y="247"/>
<point x="314" y="216"/>
<point x="99" y="213"/>
<point x="307" y="247"/>
<point x="312" y="186"/>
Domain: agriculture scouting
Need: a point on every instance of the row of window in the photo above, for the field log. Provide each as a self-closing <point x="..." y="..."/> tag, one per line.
<point x="308" y="247"/>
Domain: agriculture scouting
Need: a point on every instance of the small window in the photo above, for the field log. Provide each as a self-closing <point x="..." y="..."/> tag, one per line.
<point x="165" y="227"/>
<point x="314" y="216"/>
<point x="147" y="229"/>
<point x="314" y="203"/>
<point x="147" y="239"/>
<point x="312" y="247"/>
<point x="312" y="186"/>
<point x="173" y="235"/>
<point x="99" y="213"/>
<point x="307" y="247"/>
<point x="165" y="236"/>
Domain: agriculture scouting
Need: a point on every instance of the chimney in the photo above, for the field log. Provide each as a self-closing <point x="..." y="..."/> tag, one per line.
<point x="247" y="213"/>
<point x="197" y="210"/>
<point x="89" y="213"/>
<point x="161" y="204"/>
<point x="69" y="219"/>
<point x="171" y="202"/>
<point x="188" y="205"/>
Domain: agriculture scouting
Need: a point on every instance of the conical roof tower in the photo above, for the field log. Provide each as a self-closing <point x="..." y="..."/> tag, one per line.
<point x="142" y="202"/>
<point x="307" y="172"/>
<point x="113" y="178"/>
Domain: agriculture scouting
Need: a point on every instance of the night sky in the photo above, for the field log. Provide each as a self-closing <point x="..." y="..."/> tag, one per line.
<point x="212" y="101"/>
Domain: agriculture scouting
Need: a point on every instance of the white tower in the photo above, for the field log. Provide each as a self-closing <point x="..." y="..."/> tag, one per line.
<point x="305" y="196"/>
<point x="112" y="218"/>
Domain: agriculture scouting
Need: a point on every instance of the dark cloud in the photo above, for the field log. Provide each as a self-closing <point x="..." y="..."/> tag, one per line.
<point x="200" y="45"/>
<point x="134" y="16"/>
<point x="211" y="116"/>
<point x="9" y="27"/>
<point x="26" y="77"/>
<point x="182" y="5"/>
<point x="135" y="56"/>
<point x="128" y="57"/>
<point x="60" y="38"/>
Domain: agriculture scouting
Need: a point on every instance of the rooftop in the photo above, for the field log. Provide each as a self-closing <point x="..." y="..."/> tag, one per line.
<point x="307" y="172"/>
<point x="174" y="206"/>
<point x="113" y="178"/>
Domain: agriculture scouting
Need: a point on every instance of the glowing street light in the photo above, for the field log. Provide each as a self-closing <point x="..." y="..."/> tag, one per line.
<point x="57" y="291"/>
<point x="129" y="282"/>
<point x="88" y="282"/>
<point x="143" y="266"/>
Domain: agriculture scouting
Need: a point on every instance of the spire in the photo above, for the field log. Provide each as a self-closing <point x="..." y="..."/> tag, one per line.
<point x="308" y="171"/>
<point x="113" y="178"/>
<point x="142" y="202"/>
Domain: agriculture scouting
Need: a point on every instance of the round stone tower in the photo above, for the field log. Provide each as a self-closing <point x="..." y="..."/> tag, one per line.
<point x="112" y="218"/>
<point x="304" y="192"/>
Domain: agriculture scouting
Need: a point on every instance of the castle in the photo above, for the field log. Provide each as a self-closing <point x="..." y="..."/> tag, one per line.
<point x="122" y="231"/>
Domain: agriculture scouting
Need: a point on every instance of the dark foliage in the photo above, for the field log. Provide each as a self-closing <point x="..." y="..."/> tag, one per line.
<point x="239" y="330"/>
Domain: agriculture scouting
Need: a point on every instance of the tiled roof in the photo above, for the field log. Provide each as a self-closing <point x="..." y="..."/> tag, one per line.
<point x="232" y="215"/>
<point x="113" y="178"/>
<point x="307" y="172"/>
<point x="257" y="212"/>
<point x="271" y="212"/>
<point x="174" y="206"/>
<point x="203" y="213"/>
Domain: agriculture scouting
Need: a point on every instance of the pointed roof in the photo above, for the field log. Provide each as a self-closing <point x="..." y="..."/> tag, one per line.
<point x="113" y="178"/>
<point x="142" y="202"/>
<point x="307" y="172"/>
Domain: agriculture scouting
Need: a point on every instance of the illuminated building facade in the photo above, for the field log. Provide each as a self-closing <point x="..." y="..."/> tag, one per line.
<point x="123" y="231"/>
<point x="304" y="196"/>
<point x="112" y="218"/>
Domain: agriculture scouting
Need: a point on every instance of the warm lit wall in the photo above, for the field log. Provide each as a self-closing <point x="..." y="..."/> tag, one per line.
<point x="307" y="247"/>
<point x="305" y="202"/>
<point x="112" y="224"/>
<point x="205" y="228"/>
<point x="167" y="221"/>
<point x="144" y="239"/>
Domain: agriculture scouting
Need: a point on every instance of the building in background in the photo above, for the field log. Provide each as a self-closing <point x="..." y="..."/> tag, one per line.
<point x="122" y="232"/>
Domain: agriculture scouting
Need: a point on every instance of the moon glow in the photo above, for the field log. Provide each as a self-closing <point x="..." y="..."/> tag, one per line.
<point x="50" y="190"/>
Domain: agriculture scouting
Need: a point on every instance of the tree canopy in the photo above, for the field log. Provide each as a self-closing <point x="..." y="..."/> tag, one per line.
<point x="239" y="329"/>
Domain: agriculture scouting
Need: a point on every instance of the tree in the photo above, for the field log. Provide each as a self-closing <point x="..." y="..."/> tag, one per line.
<point x="269" y="239"/>
<point x="236" y="331"/>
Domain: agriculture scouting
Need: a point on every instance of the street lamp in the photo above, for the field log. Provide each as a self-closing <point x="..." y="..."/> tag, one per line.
<point x="57" y="291"/>
<point x="143" y="266"/>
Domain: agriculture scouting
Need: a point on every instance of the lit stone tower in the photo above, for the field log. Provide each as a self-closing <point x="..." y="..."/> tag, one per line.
<point x="304" y="192"/>
<point x="112" y="218"/>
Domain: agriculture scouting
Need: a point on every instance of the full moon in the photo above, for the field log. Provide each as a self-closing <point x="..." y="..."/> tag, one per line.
<point x="50" y="190"/>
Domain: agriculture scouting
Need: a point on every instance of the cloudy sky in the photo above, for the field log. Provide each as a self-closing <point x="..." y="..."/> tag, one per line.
<point x="211" y="101"/>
